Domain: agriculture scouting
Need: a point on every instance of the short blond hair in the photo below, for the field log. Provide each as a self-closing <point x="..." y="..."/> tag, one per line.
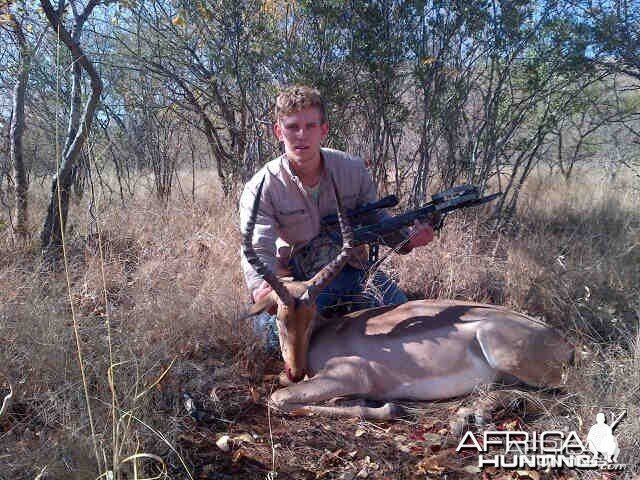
<point x="296" y="98"/>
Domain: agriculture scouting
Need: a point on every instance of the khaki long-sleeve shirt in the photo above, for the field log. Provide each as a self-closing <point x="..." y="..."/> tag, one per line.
<point x="289" y="215"/>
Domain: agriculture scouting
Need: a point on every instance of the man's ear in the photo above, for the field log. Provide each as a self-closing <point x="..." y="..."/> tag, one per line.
<point x="277" y="131"/>
<point x="324" y="129"/>
<point x="266" y="303"/>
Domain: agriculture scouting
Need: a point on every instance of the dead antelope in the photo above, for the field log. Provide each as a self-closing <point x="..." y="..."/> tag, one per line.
<point x="421" y="350"/>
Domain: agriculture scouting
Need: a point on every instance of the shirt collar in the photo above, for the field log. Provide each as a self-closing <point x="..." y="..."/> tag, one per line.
<point x="287" y="166"/>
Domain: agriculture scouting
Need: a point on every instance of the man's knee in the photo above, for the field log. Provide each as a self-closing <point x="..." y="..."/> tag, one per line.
<point x="396" y="297"/>
<point x="265" y="325"/>
<point x="389" y="290"/>
<point x="343" y="289"/>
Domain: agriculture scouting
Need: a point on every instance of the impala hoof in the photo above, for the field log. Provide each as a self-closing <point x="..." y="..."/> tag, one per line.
<point x="393" y="410"/>
<point x="468" y="419"/>
<point x="283" y="379"/>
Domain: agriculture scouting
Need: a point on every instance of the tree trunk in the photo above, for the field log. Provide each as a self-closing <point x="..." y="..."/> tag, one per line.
<point x="51" y="235"/>
<point x="20" y="226"/>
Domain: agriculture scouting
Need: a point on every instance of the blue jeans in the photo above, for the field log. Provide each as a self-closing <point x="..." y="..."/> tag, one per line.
<point x="347" y="290"/>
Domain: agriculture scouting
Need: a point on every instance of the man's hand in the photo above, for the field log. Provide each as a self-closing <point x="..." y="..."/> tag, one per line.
<point x="421" y="234"/>
<point x="262" y="291"/>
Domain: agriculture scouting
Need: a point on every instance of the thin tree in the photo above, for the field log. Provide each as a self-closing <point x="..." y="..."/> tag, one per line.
<point x="17" y="128"/>
<point x="79" y="121"/>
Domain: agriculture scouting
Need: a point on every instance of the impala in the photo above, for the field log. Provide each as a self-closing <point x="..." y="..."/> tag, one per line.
<point x="420" y="350"/>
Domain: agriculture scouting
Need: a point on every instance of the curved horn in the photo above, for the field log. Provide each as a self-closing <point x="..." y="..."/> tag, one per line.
<point x="321" y="279"/>
<point x="251" y="256"/>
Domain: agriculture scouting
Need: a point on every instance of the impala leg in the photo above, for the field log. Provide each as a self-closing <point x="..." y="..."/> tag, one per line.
<point x="477" y="415"/>
<point x="388" y="411"/>
<point x="480" y="413"/>
<point x="301" y="398"/>
<point x="343" y="380"/>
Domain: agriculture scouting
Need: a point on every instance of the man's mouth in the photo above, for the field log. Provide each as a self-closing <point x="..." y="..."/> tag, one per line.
<point x="301" y="147"/>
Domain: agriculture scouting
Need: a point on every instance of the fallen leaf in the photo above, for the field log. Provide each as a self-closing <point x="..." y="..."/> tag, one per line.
<point x="223" y="443"/>
<point x="255" y="395"/>
<point x="367" y="467"/>
<point x="370" y="464"/>
<point x="432" y="439"/>
<point x="179" y="21"/>
<point x="510" y="426"/>
<point x="528" y="474"/>
<point x="244" y="437"/>
<point x="346" y="476"/>
<point x="328" y="458"/>
<point x="403" y="444"/>
<point x="472" y="469"/>
<point x="504" y="476"/>
<point x="429" y="465"/>
<point x="359" y="432"/>
<point x="237" y="456"/>
<point x="191" y="438"/>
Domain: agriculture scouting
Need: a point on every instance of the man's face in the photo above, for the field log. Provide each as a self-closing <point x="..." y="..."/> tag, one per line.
<point x="302" y="133"/>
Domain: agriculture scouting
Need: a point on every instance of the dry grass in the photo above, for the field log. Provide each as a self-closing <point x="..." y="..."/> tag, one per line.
<point x="173" y="296"/>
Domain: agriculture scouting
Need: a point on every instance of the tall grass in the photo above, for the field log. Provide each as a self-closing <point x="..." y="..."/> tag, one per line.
<point x="172" y="292"/>
<point x="572" y="258"/>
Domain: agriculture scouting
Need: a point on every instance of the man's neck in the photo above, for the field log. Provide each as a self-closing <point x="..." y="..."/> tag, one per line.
<point x="309" y="173"/>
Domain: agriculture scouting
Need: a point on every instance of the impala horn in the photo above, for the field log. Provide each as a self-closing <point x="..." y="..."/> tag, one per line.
<point x="247" y="248"/>
<point x="321" y="279"/>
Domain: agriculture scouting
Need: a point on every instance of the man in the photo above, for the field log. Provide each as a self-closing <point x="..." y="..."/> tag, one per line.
<point x="298" y="193"/>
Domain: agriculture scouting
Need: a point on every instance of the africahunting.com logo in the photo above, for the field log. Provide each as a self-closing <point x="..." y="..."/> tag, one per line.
<point x="547" y="449"/>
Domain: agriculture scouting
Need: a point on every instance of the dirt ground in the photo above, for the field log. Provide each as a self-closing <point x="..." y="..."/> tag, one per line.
<point x="256" y="442"/>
